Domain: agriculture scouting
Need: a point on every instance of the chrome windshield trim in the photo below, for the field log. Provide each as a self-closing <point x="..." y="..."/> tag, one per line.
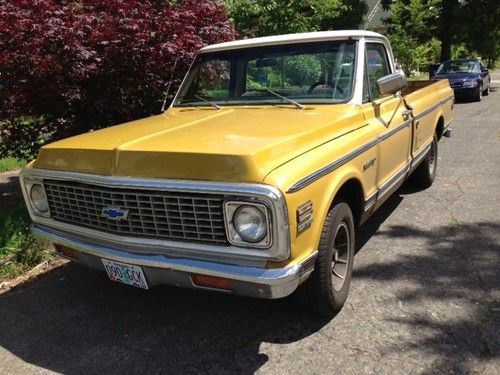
<point x="271" y="196"/>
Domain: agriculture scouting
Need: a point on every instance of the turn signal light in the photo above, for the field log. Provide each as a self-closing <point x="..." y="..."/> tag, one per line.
<point x="211" y="282"/>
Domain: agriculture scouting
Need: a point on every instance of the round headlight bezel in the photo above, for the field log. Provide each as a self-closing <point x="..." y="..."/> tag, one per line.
<point x="235" y="236"/>
<point x="39" y="203"/>
<point x="255" y="221"/>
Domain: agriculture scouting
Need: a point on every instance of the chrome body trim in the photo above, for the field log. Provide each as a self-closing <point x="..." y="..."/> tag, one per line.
<point x="269" y="195"/>
<point x="393" y="181"/>
<point x="417" y="159"/>
<point x="425" y="112"/>
<point x="447" y="130"/>
<point x="371" y="200"/>
<point x="330" y="167"/>
<point x="393" y="131"/>
<point x="161" y="269"/>
<point x="348" y="157"/>
<point x="396" y="178"/>
<point x="345" y="159"/>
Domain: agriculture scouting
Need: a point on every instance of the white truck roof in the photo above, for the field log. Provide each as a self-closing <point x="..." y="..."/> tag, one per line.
<point x="318" y="36"/>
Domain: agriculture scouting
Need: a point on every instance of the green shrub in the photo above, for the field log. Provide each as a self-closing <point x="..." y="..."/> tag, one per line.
<point x="19" y="249"/>
<point x="9" y="163"/>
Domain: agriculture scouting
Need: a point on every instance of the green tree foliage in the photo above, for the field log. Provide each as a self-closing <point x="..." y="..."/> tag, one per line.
<point x="474" y="25"/>
<point x="272" y="17"/>
<point x="482" y="29"/>
<point x="412" y="25"/>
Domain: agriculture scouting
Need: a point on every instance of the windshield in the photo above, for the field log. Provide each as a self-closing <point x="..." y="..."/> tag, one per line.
<point x="301" y="73"/>
<point x="454" y="66"/>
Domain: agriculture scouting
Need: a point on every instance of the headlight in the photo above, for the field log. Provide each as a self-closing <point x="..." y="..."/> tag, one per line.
<point x="38" y="198"/>
<point x="470" y="84"/>
<point x="247" y="224"/>
<point x="250" y="223"/>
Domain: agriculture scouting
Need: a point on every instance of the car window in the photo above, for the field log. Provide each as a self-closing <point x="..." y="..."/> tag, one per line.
<point x="377" y="66"/>
<point x="457" y="66"/>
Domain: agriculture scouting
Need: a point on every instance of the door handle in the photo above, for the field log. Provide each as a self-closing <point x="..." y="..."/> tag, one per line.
<point x="408" y="112"/>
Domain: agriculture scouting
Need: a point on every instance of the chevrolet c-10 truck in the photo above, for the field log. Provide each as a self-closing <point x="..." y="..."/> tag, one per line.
<point x="255" y="178"/>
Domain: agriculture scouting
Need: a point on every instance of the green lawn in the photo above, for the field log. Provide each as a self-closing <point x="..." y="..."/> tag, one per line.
<point x="419" y="77"/>
<point x="10" y="163"/>
<point x="19" y="249"/>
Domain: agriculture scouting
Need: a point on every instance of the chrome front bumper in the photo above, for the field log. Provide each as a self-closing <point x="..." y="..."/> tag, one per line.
<point x="165" y="270"/>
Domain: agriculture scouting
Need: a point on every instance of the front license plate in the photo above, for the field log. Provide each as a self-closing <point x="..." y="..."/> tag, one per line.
<point x="125" y="273"/>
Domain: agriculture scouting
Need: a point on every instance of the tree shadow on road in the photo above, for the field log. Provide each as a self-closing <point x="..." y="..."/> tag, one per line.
<point x="74" y="320"/>
<point x="10" y="190"/>
<point x="457" y="268"/>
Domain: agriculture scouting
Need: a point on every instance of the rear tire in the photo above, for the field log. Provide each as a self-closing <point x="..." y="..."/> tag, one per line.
<point x="326" y="290"/>
<point x="424" y="175"/>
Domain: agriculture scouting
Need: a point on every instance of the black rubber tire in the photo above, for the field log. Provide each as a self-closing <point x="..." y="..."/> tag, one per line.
<point x="317" y="294"/>
<point x="478" y="95"/>
<point x="486" y="91"/>
<point x="424" y="175"/>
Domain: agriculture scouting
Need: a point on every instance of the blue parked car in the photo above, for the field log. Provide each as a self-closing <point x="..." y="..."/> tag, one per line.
<point x="469" y="78"/>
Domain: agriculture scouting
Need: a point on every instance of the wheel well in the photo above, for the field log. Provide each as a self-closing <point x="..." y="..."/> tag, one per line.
<point x="351" y="192"/>
<point x="440" y="128"/>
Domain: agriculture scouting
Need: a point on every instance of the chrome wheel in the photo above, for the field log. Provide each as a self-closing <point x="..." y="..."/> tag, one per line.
<point x="340" y="256"/>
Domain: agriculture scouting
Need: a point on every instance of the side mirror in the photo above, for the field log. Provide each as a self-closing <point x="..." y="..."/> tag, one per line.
<point x="392" y="83"/>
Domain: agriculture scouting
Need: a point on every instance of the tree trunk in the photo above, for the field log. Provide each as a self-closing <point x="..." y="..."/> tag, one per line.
<point x="447" y="27"/>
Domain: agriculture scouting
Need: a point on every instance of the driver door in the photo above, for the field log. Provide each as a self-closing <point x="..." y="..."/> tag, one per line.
<point x="386" y="115"/>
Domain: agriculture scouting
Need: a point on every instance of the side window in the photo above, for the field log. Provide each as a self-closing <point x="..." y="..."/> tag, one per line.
<point x="377" y="66"/>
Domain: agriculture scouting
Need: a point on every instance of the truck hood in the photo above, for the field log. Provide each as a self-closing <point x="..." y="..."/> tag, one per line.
<point x="239" y="144"/>
<point x="458" y="76"/>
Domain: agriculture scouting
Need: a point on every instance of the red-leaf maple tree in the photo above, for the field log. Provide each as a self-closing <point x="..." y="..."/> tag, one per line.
<point x="81" y="65"/>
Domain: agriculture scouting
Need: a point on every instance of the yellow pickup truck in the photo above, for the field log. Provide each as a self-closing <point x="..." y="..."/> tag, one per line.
<point x="255" y="178"/>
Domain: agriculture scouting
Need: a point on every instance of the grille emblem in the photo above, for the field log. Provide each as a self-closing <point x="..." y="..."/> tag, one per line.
<point x="114" y="213"/>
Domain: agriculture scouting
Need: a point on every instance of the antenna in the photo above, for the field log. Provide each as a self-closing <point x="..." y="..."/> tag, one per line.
<point x="169" y="84"/>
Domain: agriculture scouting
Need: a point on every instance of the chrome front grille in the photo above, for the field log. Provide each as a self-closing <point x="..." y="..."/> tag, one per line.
<point x="153" y="214"/>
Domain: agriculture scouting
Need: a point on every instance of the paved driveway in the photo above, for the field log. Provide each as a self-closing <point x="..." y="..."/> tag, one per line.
<point x="424" y="299"/>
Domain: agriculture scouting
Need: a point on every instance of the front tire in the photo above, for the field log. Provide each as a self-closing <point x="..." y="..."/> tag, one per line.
<point x="326" y="290"/>
<point x="486" y="92"/>
<point x="424" y="175"/>
<point x="478" y="95"/>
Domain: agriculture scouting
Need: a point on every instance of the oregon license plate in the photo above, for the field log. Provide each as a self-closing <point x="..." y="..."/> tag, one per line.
<point x="125" y="273"/>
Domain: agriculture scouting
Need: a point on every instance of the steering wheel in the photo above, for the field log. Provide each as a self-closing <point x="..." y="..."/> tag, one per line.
<point x="327" y="84"/>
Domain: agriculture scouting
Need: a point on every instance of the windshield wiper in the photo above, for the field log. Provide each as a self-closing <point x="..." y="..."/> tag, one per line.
<point x="296" y="104"/>
<point x="216" y="106"/>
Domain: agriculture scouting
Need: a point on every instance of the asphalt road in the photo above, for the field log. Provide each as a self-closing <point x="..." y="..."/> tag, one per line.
<point x="424" y="298"/>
